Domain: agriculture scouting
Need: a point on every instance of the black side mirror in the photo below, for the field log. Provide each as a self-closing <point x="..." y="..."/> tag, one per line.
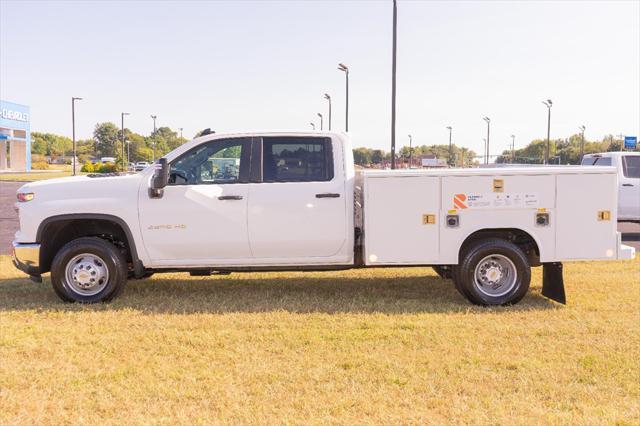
<point x="160" y="179"/>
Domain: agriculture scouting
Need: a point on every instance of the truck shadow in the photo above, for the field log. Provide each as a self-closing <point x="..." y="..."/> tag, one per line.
<point x="300" y="294"/>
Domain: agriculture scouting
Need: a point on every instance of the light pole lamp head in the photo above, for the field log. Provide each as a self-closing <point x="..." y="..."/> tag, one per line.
<point x="326" y="96"/>
<point x="154" y="116"/>
<point x="548" y="103"/>
<point x="343" y="67"/>
<point x="487" y="119"/>
<point x="313" y="125"/>
<point x="449" y="127"/>
<point x="582" y="128"/>
<point x="76" y="99"/>
<point x="319" y="115"/>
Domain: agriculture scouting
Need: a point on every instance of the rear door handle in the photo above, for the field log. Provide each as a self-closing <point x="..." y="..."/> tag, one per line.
<point x="230" y="197"/>
<point x="627" y="184"/>
<point x="327" y="195"/>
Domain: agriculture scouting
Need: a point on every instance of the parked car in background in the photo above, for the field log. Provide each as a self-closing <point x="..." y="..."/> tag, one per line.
<point x="105" y="160"/>
<point x="141" y="165"/>
<point x="628" y="166"/>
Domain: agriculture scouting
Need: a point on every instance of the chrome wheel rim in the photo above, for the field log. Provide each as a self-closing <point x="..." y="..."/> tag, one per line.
<point x="495" y="275"/>
<point x="86" y="274"/>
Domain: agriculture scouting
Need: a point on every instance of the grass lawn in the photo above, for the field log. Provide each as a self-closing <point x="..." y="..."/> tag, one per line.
<point x="366" y="346"/>
<point x="54" y="171"/>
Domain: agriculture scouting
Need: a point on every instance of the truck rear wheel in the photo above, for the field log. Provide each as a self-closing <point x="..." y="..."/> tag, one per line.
<point x="493" y="272"/>
<point x="88" y="270"/>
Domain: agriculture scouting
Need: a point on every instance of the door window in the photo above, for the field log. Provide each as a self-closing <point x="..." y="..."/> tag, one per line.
<point x="216" y="162"/>
<point x="631" y="166"/>
<point x="297" y="159"/>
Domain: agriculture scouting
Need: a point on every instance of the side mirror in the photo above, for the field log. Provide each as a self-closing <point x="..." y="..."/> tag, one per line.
<point x="160" y="179"/>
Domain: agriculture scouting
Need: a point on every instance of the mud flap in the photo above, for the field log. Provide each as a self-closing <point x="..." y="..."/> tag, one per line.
<point x="553" y="283"/>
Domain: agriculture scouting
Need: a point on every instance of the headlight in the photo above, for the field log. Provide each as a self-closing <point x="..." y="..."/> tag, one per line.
<point x="23" y="197"/>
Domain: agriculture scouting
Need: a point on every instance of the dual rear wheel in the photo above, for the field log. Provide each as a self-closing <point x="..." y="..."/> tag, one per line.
<point x="492" y="272"/>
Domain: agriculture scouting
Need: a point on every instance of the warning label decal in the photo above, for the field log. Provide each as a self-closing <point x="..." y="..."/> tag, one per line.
<point x="495" y="200"/>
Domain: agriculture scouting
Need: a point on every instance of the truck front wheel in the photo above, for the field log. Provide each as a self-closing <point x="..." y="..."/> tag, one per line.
<point x="88" y="270"/>
<point x="493" y="272"/>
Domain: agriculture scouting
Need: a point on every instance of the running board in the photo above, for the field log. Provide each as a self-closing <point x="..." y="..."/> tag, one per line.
<point x="552" y="282"/>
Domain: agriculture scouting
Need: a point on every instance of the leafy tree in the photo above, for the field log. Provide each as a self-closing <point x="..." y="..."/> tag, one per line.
<point x="362" y="156"/>
<point x="106" y="137"/>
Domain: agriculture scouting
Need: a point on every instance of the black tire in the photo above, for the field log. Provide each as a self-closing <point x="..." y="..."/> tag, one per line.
<point x="444" y="271"/>
<point x="146" y="275"/>
<point x="110" y="258"/>
<point x="492" y="252"/>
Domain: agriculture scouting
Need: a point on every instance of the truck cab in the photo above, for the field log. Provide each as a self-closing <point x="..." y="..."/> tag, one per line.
<point x="627" y="165"/>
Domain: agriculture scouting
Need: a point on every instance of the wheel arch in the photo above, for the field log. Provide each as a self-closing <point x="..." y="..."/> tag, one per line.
<point x="528" y="243"/>
<point x="55" y="231"/>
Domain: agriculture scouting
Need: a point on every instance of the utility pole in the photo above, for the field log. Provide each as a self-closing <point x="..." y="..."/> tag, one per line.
<point x="548" y="103"/>
<point x="582" y="128"/>
<point x="464" y="150"/>
<point x="451" y="161"/>
<point x="327" y="97"/>
<point x="122" y="127"/>
<point x="486" y="156"/>
<point x="180" y="128"/>
<point x="410" y="152"/>
<point x="393" y="86"/>
<point x="73" y="130"/>
<point x="345" y="69"/>
<point x="154" y="136"/>
<point x="321" y="122"/>
<point x="513" y="149"/>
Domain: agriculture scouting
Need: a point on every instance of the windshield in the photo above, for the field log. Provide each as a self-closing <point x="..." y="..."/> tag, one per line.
<point x="631" y="166"/>
<point x="596" y="161"/>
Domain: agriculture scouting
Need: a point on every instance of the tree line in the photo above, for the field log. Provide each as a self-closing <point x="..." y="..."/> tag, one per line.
<point x="561" y="151"/>
<point x="107" y="142"/>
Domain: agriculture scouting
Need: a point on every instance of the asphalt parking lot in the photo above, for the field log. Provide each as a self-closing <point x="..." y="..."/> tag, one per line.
<point x="9" y="220"/>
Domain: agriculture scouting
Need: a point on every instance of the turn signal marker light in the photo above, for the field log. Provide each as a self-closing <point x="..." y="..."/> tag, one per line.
<point x="23" y="197"/>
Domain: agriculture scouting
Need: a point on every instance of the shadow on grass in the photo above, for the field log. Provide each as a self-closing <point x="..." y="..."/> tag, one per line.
<point x="237" y="294"/>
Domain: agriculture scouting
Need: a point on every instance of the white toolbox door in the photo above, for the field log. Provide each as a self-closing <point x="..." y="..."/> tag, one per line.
<point x="579" y="233"/>
<point x="394" y="229"/>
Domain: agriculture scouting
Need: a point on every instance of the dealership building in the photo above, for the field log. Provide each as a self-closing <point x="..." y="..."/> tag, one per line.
<point x="15" y="137"/>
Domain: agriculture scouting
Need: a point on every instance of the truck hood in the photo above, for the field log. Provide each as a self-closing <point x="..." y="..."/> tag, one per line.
<point x="86" y="186"/>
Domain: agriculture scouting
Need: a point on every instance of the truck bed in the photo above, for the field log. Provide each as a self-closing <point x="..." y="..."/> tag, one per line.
<point x="403" y="213"/>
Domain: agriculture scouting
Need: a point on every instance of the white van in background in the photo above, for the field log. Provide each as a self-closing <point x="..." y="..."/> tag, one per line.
<point x="628" y="166"/>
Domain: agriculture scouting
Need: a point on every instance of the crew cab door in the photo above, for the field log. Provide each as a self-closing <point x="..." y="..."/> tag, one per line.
<point x="629" y="193"/>
<point x="201" y="219"/>
<point x="297" y="206"/>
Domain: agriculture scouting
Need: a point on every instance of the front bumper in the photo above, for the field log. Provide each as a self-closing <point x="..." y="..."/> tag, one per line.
<point x="624" y="251"/>
<point x="26" y="257"/>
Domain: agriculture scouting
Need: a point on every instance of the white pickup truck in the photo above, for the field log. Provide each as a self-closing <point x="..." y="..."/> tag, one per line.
<point x="293" y="201"/>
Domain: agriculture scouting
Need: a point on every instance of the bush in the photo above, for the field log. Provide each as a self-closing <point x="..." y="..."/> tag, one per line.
<point x="39" y="165"/>
<point x="108" y="168"/>
<point x="87" y="167"/>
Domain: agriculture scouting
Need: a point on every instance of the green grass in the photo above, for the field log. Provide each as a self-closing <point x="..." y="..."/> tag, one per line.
<point x="32" y="176"/>
<point x="364" y="346"/>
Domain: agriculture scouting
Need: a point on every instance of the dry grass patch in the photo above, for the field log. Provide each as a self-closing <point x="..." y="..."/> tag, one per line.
<point x="365" y="346"/>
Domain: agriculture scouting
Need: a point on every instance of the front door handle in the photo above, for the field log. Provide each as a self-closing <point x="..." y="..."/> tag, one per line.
<point x="627" y="184"/>
<point x="230" y="197"/>
<point x="327" y="195"/>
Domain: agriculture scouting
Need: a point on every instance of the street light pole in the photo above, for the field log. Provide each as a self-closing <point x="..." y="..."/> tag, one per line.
<point x="321" y="122"/>
<point x="313" y="126"/>
<point x="513" y="149"/>
<point x="393" y="86"/>
<point x="451" y="163"/>
<point x="486" y="158"/>
<point x="327" y="97"/>
<point x="180" y="128"/>
<point x="345" y="69"/>
<point x="547" y="152"/>
<point x="410" y="152"/>
<point x="122" y="126"/>
<point x="582" y="128"/>
<point x="73" y="129"/>
<point x="154" y="136"/>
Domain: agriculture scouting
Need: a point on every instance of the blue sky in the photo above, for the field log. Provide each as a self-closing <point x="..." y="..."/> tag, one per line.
<point x="265" y="65"/>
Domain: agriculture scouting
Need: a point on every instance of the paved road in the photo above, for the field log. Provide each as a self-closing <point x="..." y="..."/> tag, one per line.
<point x="9" y="220"/>
<point x="8" y="217"/>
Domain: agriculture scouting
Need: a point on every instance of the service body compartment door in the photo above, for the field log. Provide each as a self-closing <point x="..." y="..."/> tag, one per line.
<point x="397" y="210"/>
<point x="580" y="233"/>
